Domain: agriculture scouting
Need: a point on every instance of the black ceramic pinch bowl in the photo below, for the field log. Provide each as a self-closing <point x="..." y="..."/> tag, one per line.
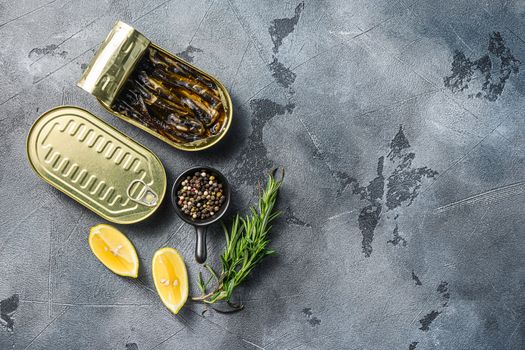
<point x="201" y="226"/>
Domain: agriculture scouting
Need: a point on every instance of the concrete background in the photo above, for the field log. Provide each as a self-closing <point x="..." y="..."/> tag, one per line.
<point x="401" y="127"/>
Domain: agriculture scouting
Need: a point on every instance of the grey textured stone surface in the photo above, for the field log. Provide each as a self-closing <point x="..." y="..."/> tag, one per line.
<point x="401" y="127"/>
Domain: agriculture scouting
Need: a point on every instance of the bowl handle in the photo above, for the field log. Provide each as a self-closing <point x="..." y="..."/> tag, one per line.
<point x="200" y="246"/>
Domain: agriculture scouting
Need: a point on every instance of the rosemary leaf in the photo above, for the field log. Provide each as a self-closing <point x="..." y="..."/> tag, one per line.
<point x="201" y="285"/>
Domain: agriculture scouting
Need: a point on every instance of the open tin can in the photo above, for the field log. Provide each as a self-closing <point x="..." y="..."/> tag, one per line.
<point x="157" y="91"/>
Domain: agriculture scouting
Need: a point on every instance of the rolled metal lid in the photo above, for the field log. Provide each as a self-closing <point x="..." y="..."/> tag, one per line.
<point x="113" y="63"/>
<point x="96" y="165"/>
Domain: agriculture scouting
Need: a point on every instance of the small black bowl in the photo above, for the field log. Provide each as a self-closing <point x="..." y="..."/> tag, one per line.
<point x="201" y="226"/>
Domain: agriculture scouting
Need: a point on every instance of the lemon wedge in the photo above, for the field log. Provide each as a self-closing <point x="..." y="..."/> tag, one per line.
<point x="170" y="278"/>
<point x="114" y="250"/>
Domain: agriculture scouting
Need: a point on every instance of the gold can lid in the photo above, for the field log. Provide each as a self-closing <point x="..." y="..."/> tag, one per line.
<point x="96" y="165"/>
<point x="113" y="62"/>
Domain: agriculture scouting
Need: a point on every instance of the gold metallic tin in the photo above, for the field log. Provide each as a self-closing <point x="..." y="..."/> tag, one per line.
<point x="96" y="165"/>
<point x="115" y="61"/>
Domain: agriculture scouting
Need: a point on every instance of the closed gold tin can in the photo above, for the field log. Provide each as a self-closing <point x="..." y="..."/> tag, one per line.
<point x="157" y="91"/>
<point x="96" y="165"/>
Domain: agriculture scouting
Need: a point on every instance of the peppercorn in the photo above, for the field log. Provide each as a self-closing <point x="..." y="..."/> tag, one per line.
<point x="200" y="196"/>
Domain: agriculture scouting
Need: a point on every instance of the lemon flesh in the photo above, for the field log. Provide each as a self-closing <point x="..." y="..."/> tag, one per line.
<point x="114" y="250"/>
<point x="170" y="278"/>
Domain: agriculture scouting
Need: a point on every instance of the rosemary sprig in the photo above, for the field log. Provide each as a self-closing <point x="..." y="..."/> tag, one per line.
<point x="246" y="246"/>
